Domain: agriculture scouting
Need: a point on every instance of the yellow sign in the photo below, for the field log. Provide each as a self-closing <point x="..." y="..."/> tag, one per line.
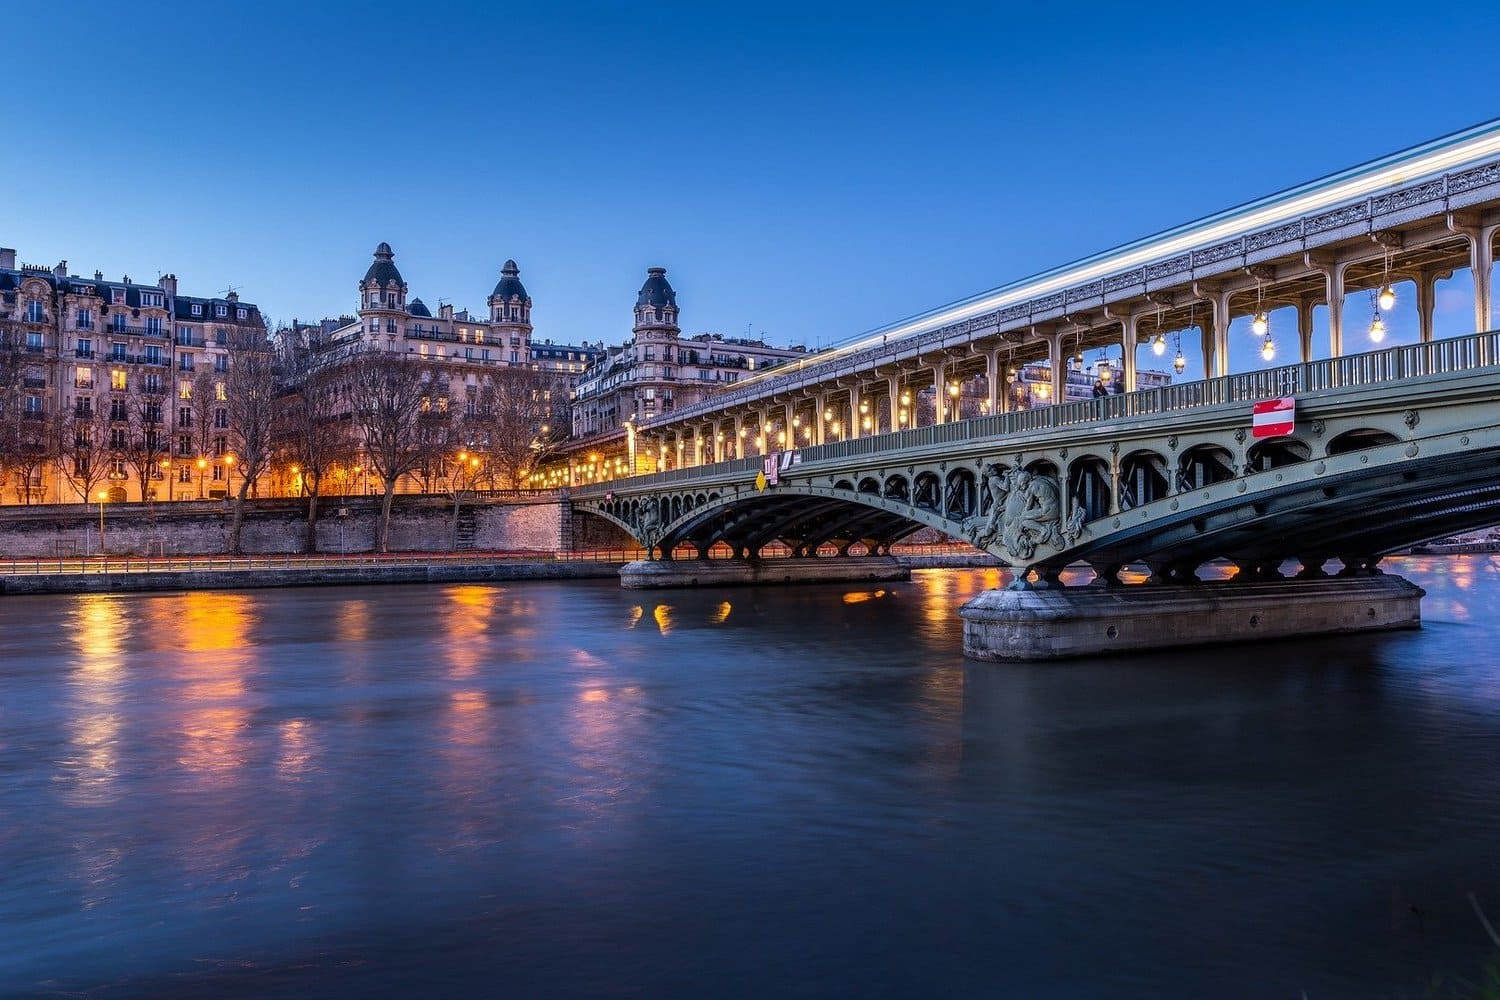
<point x="760" y="481"/>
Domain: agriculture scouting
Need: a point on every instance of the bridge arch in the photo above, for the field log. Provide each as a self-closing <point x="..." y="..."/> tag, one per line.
<point x="1145" y="477"/>
<point x="1205" y="464"/>
<point x="1088" y="486"/>
<point x="927" y="490"/>
<point x="896" y="488"/>
<point x="961" y="498"/>
<point x="1276" y="453"/>
<point x="1359" y="439"/>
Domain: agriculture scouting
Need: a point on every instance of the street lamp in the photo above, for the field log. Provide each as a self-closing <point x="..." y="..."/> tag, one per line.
<point x="228" y="474"/>
<point x="202" y="467"/>
<point x="102" y="496"/>
<point x="166" y="473"/>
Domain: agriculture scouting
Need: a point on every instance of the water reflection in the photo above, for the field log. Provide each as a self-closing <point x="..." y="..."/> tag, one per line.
<point x="97" y="630"/>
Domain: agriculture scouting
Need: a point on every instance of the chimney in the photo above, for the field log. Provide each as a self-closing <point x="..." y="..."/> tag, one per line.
<point x="7" y="258"/>
<point x="98" y="275"/>
<point x="61" y="270"/>
<point x="168" y="284"/>
<point x="233" y="296"/>
<point x="445" y="312"/>
<point x="127" y="279"/>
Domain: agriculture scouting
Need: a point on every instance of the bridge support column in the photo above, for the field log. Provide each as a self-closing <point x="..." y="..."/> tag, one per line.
<point x="1216" y="331"/>
<point x="1062" y="622"/>
<point x="1482" y="263"/>
<point x="1127" y="350"/>
<point x="854" y="415"/>
<point x="1332" y="271"/>
<point x="1305" y="327"/>
<point x="1426" y="281"/>
<point x="939" y="394"/>
<point x="820" y="430"/>
<point x="893" y="387"/>
<point x="992" y="376"/>
<point x="1059" y="367"/>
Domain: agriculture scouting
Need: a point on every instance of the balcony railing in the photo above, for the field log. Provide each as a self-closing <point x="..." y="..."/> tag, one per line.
<point x="82" y="353"/>
<point x="34" y="382"/>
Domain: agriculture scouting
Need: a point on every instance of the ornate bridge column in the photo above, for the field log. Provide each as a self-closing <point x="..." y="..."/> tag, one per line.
<point x="1332" y="270"/>
<point x="1216" y="339"/>
<point x="893" y="386"/>
<point x="1426" y="280"/>
<point x="1305" y="326"/>
<point x="854" y="429"/>
<point x="1481" y="240"/>
<point x="820" y="403"/>
<point x="1059" y="367"/>
<point x="939" y="394"/>
<point x="992" y="376"/>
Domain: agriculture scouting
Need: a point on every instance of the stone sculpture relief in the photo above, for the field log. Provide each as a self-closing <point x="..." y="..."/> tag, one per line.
<point x="1025" y="512"/>
<point x="648" y="525"/>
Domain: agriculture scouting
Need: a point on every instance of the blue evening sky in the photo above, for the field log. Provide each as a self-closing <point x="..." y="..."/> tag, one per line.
<point x="806" y="171"/>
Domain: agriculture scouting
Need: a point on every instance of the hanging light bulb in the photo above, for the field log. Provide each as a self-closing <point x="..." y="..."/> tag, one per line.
<point x="1159" y="345"/>
<point x="1104" y="370"/>
<point x="1268" y="349"/>
<point x="1261" y="324"/>
<point x="1011" y="377"/>
<point x="1179" y="363"/>
<point x="1078" y="361"/>
<point x="1387" y="297"/>
<point x="1377" y="329"/>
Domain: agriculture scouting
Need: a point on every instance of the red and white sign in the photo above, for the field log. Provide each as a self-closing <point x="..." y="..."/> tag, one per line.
<point x="1274" y="417"/>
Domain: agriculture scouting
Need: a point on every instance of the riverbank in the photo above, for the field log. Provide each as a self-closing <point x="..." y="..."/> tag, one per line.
<point x="142" y="575"/>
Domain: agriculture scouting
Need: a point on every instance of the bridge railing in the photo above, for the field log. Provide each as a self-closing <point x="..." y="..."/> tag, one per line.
<point x="1392" y="364"/>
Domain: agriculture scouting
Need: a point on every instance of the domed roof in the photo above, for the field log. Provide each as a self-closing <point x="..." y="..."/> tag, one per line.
<point x="416" y="307"/>
<point x="509" y="285"/>
<point x="656" y="291"/>
<point x="383" y="270"/>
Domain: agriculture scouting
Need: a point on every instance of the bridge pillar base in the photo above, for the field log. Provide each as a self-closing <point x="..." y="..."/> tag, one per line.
<point x="1087" y="621"/>
<point x="650" y="575"/>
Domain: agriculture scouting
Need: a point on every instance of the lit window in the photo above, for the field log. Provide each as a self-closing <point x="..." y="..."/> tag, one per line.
<point x="219" y="392"/>
<point x="184" y="389"/>
<point x="117" y="379"/>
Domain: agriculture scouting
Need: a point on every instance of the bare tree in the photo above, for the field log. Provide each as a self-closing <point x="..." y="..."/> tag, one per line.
<point x="385" y="394"/>
<point x="251" y="389"/>
<point x="13" y="363"/>
<point x="519" y="415"/>
<point x="146" y="438"/>
<point x="312" y="430"/>
<point x="83" y="447"/>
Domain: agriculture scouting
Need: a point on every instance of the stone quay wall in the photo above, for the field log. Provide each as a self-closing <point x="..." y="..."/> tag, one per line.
<point x="346" y="525"/>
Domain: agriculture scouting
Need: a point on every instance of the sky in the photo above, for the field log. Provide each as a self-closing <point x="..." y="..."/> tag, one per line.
<point x="805" y="172"/>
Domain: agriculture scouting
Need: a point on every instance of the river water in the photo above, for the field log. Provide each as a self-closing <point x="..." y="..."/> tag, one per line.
<point x="566" y="789"/>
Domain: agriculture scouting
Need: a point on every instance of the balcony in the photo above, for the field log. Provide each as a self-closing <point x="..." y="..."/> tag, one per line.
<point x="86" y="384"/>
<point x="34" y="382"/>
<point x="84" y="325"/>
<point x="83" y="352"/>
<point x="35" y="349"/>
<point x="34" y="415"/>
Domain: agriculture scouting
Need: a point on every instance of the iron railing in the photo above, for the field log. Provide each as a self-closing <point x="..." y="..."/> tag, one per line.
<point x="1393" y="364"/>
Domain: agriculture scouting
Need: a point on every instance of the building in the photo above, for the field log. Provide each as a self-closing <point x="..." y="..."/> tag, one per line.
<point x="567" y="361"/>
<point x="114" y="387"/>
<point x="659" y="369"/>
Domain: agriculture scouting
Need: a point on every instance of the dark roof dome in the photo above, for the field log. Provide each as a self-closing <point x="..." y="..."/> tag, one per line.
<point x="509" y="286"/>
<point x="417" y="307"/>
<point x="383" y="270"/>
<point x="656" y="291"/>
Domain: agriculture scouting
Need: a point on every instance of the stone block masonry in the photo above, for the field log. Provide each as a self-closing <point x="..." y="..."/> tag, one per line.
<point x="346" y="525"/>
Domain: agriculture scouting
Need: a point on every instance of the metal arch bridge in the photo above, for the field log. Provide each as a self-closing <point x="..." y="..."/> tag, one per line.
<point x="1390" y="448"/>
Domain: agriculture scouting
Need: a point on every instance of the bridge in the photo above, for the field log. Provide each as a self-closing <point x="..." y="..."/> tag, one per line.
<point x="1389" y="447"/>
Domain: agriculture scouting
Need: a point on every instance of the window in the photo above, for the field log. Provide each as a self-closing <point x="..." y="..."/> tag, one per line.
<point x="150" y="300"/>
<point x="240" y="314"/>
<point x="151" y="383"/>
<point x="197" y="309"/>
<point x="185" y="362"/>
<point x="184" y="445"/>
<point x="152" y="413"/>
<point x="219" y="392"/>
<point x="34" y="406"/>
<point x="153" y="326"/>
<point x="221" y="337"/>
<point x="515" y="357"/>
<point x="153" y="355"/>
<point x="117" y="409"/>
<point x="221" y="418"/>
<point x="85" y="319"/>
<point x="117" y="379"/>
<point x="34" y="312"/>
<point x="184" y="389"/>
<point x="221" y="311"/>
<point x="83" y="378"/>
<point x="34" y="342"/>
<point x="85" y="347"/>
<point x="390" y="326"/>
<point x="117" y="469"/>
<point x="185" y="336"/>
<point x="221" y="444"/>
<point x="117" y="321"/>
<point x="184" y="472"/>
<point x="218" y="472"/>
<point x="221" y="363"/>
<point x="117" y="438"/>
<point x="117" y="296"/>
<point x="83" y="406"/>
<point x="185" y="419"/>
<point x="117" y="352"/>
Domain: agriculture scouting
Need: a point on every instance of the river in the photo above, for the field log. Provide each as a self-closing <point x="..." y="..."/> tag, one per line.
<point x="566" y="789"/>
